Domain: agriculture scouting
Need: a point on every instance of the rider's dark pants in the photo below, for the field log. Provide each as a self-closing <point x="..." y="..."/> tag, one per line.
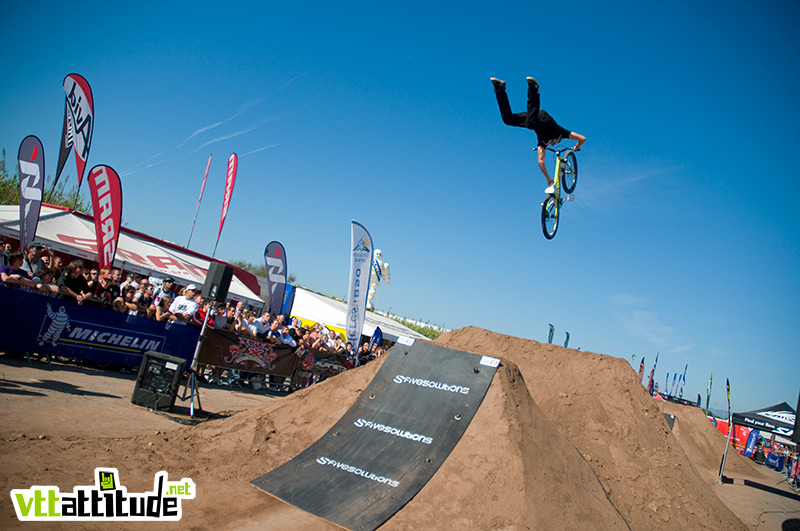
<point x="522" y="119"/>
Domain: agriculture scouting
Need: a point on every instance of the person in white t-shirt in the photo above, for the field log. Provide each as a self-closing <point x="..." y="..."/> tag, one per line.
<point x="184" y="306"/>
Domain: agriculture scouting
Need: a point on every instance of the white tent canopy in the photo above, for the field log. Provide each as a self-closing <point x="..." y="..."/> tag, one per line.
<point x="319" y="308"/>
<point x="72" y="233"/>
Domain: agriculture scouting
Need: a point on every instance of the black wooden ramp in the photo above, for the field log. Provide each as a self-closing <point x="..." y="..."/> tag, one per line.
<point x="391" y="442"/>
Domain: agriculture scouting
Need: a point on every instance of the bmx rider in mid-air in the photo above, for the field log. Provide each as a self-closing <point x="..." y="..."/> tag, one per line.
<point x="547" y="130"/>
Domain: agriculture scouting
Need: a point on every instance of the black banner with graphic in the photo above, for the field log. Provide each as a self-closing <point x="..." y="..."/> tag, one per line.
<point x="224" y="349"/>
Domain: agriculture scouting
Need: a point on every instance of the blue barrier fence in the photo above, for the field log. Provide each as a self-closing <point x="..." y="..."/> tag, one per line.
<point x="31" y="322"/>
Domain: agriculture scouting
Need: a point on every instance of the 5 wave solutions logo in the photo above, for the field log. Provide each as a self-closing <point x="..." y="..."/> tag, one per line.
<point x="106" y="500"/>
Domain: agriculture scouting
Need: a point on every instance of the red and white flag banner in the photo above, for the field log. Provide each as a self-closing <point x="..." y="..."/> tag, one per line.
<point x="106" y="192"/>
<point x="202" y="189"/>
<point x="230" y="180"/>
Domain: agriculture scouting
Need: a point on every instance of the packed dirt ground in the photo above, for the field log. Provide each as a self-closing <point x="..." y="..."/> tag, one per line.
<point x="563" y="440"/>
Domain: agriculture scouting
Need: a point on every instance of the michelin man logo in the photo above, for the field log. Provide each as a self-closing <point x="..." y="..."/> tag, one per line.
<point x="59" y="322"/>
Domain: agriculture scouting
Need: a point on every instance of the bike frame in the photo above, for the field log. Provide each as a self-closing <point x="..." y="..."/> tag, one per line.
<point x="557" y="177"/>
<point x="561" y="156"/>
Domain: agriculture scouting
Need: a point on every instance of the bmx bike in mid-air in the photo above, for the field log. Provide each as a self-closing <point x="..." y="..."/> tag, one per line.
<point x="566" y="177"/>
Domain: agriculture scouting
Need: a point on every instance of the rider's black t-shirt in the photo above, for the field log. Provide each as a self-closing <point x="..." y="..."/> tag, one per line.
<point x="548" y="131"/>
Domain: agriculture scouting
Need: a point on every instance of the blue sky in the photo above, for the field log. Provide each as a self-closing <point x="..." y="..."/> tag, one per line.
<point x="682" y="239"/>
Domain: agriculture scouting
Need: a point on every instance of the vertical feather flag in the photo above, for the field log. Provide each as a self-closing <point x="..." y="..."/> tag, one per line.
<point x="730" y="430"/>
<point x="76" y="133"/>
<point x="196" y="210"/>
<point x="230" y="180"/>
<point x="31" y="181"/>
<point x="275" y="258"/>
<point x="361" y="253"/>
<point x="106" y="191"/>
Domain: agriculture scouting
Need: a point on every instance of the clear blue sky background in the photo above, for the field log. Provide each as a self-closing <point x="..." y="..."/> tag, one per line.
<point x="683" y="238"/>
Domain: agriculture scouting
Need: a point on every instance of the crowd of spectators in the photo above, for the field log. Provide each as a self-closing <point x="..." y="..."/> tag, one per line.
<point x="37" y="269"/>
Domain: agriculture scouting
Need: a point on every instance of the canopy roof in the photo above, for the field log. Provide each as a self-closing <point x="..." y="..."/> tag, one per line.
<point x="777" y="419"/>
<point x="330" y="312"/>
<point x="73" y="233"/>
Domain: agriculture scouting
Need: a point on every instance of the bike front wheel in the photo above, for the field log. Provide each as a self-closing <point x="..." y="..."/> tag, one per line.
<point x="549" y="217"/>
<point x="569" y="172"/>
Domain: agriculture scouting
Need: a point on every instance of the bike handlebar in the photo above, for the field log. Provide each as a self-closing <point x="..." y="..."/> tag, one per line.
<point x="559" y="151"/>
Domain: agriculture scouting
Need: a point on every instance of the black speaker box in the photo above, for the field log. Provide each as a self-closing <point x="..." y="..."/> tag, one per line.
<point x="217" y="282"/>
<point x="158" y="380"/>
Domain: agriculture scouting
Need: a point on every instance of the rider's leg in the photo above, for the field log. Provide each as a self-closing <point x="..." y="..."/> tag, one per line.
<point x="509" y="118"/>
<point x="532" y="117"/>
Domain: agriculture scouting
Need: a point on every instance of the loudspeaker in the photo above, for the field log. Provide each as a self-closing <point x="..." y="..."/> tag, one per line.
<point x="158" y="380"/>
<point x="217" y="282"/>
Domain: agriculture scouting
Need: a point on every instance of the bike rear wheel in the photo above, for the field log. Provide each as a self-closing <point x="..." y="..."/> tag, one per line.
<point x="549" y="217"/>
<point x="569" y="172"/>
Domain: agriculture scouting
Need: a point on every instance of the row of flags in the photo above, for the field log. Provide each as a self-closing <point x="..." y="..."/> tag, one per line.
<point x="105" y="187"/>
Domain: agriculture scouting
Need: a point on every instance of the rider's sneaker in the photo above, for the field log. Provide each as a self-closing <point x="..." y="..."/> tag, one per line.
<point x="499" y="84"/>
<point x="533" y="82"/>
<point x="550" y="189"/>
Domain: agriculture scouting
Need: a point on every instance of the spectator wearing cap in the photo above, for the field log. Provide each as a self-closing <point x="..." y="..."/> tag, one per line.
<point x="130" y="281"/>
<point x="33" y="260"/>
<point x="167" y="289"/>
<point x="184" y="306"/>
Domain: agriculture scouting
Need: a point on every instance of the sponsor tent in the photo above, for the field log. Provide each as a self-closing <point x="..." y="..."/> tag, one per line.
<point x="777" y="419"/>
<point x="73" y="233"/>
<point x="313" y="307"/>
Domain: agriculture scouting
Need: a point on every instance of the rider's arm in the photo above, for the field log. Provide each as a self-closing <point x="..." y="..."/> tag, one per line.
<point x="542" y="165"/>
<point x="579" y="137"/>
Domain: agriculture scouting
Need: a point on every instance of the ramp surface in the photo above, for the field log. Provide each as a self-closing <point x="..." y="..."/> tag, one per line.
<point x="391" y="442"/>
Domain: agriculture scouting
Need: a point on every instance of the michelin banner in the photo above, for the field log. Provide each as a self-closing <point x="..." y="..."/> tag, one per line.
<point x="360" y="263"/>
<point x="61" y="327"/>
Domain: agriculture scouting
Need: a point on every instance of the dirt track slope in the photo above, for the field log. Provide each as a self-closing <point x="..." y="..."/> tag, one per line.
<point x="564" y="440"/>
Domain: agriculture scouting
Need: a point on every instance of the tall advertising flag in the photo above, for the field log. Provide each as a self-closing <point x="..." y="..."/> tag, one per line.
<point x="230" y="180"/>
<point x="76" y="134"/>
<point x="683" y="381"/>
<point x="708" y="390"/>
<point x="730" y="431"/>
<point x="106" y="191"/>
<point x="641" y="370"/>
<point x="275" y="257"/>
<point x="196" y="210"/>
<point x="31" y="182"/>
<point x="360" y="263"/>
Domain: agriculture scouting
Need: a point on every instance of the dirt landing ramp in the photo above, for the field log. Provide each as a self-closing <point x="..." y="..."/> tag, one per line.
<point x="391" y="442"/>
<point x="597" y="404"/>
